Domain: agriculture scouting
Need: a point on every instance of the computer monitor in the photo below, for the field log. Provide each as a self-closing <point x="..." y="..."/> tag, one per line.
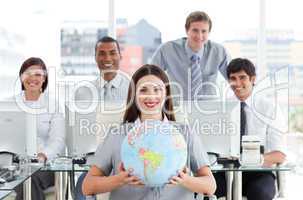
<point x="18" y="132"/>
<point x="87" y="124"/>
<point x="216" y="122"/>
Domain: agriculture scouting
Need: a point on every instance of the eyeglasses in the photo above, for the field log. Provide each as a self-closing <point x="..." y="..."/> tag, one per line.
<point x="37" y="73"/>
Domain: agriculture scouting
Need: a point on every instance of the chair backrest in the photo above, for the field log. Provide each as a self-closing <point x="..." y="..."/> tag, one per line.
<point x="216" y="122"/>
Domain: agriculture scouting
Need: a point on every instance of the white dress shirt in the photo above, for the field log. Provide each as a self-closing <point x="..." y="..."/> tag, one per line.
<point x="50" y="126"/>
<point x="113" y="104"/>
<point x="265" y="119"/>
<point x="118" y="90"/>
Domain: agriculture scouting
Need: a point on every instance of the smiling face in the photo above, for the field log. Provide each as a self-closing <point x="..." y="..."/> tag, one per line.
<point x="150" y="97"/>
<point x="108" y="59"/>
<point x="33" y="78"/>
<point x="197" y="34"/>
<point x="242" y="84"/>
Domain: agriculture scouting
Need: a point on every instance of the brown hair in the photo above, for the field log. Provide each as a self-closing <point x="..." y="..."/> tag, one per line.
<point x="196" y="17"/>
<point x="132" y="112"/>
<point x="30" y="62"/>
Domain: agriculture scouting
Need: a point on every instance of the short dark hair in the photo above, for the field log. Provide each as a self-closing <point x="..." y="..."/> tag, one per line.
<point x="30" y="62"/>
<point x="132" y="112"/>
<point x="196" y="17"/>
<point x="239" y="64"/>
<point x="106" y="39"/>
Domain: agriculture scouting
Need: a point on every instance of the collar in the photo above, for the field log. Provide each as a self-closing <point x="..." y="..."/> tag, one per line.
<point x="190" y="52"/>
<point x="138" y="121"/>
<point x="232" y="97"/>
<point x="22" y="97"/>
<point x="41" y="105"/>
<point x="248" y="101"/>
<point x="116" y="82"/>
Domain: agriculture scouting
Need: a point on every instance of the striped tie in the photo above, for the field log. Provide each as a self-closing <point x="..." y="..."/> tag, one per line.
<point x="196" y="75"/>
<point x="108" y="92"/>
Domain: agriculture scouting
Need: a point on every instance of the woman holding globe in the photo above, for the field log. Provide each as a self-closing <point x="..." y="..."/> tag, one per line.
<point x="149" y="100"/>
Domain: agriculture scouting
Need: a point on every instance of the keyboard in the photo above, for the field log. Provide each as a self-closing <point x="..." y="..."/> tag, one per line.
<point x="6" y="174"/>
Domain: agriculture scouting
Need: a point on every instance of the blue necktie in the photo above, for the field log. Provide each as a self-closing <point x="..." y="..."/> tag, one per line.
<point x="196" y="75"/>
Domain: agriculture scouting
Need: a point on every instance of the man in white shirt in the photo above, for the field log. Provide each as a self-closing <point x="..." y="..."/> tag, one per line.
<point x="112" y="85"/>
<point x="262" y="118"/>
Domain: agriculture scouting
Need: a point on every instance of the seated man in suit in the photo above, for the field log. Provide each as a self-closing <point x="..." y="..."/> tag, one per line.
<point x="260" y="117"/>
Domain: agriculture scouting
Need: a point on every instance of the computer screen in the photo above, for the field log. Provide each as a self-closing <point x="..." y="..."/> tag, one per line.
<point x="87" y="124"/>
<point x="18" y="129"/>
<point x="216" y="122"/>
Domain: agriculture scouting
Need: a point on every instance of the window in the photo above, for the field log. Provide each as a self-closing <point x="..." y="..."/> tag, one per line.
<point x="152" y="23"/>
<point x="39" y="30"/>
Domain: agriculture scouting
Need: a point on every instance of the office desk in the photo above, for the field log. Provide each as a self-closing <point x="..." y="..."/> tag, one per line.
<point x="5" y="193"/>
<point x="26" y="172"/>
<point x="234" y="176"/>
<point x="65" y="168"/>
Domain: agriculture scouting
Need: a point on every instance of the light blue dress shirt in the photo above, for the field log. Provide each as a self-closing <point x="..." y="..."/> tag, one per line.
<point x="174" y="57"/>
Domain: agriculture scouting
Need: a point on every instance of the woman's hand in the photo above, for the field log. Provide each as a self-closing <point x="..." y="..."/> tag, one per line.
<point x="203" y="182"/>
<point x="126" y="177"/>
<point x="182" y="178"/>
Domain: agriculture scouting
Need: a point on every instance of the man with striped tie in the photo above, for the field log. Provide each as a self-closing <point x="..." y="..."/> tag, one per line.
<point x="111" y="86"/>
<point x="193" y="62"/>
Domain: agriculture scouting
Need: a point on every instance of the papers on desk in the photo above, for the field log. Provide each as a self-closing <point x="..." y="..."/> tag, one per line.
<point x="251" y="151"/>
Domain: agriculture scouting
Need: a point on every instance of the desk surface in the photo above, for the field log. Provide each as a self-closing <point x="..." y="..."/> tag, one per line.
<point x="65" y="168"/>
<point x="5" y="193"/>
<point x="250" y="168"/>
<point x="26" y="172"/>
<point x="83" y="168"/>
